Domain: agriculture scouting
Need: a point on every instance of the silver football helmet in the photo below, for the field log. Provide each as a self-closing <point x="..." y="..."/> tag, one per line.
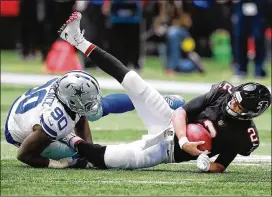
<point x="80" y="92"/>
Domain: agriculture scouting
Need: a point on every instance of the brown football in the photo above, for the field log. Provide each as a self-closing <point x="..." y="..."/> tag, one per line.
<point x="196" y="132"/>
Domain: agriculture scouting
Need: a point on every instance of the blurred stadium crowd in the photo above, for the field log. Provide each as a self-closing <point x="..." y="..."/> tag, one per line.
<point x="179" y="32"/>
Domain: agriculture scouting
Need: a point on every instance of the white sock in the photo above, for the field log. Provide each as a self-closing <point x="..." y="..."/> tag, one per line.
<point x="86" y="47"/>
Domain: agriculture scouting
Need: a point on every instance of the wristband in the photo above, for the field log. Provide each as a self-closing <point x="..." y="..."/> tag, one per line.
<point x="182" y="141"/>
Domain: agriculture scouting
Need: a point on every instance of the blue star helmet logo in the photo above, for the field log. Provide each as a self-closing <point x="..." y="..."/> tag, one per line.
<point x="79" y="92"/>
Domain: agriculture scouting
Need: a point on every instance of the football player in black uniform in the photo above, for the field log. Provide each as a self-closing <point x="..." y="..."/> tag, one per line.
<point x="226" y="111"/>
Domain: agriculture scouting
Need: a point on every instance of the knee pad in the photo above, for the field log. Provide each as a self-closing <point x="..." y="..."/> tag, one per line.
<point x="133" y="83"/>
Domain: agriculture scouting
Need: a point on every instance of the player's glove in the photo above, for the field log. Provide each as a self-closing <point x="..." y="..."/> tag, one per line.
<point x="203" y="161"/>
<point x="62" y="163"/>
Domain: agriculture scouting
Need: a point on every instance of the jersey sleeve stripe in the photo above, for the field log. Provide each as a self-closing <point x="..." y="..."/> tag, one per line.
<point x="47" y="129"/>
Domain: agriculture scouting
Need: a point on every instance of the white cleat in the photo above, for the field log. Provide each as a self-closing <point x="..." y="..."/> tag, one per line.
<point x="71" y="32"/>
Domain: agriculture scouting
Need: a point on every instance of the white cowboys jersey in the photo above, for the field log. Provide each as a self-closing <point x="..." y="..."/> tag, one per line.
<point x="38" y="106"/>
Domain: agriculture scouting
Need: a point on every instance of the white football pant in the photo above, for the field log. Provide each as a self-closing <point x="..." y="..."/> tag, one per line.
<point x="156" y="114"/>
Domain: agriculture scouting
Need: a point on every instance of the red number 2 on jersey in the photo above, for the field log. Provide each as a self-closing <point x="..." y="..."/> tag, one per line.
<point x="227" y="86"/>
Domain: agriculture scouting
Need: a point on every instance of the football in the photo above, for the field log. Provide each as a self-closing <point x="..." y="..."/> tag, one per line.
<point x="196" y="132"/>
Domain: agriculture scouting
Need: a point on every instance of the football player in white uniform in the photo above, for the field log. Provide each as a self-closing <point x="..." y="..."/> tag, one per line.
<point x="50" y="112"/>
<point x="58" y="108"/>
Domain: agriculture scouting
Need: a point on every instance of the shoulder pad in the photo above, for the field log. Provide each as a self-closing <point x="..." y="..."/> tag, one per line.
<point x="219" y="89"/>
<point x="224" y="86"/>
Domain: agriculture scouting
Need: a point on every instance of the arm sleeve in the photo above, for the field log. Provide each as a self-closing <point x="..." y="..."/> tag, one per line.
<point x="225" y="158"/>
<point x="116" y="104"/>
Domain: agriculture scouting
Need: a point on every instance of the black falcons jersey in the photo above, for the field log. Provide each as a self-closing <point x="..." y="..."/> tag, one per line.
<point x="229" y="136"/>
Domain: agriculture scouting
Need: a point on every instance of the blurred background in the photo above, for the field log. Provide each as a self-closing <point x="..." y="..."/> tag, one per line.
<point x="196" y="40"/>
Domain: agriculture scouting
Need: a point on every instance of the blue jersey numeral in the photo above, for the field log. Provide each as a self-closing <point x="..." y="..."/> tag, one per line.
<point x="58" y="115"/>
<point x="37" y="98"/>
<point x="36" y="95"/>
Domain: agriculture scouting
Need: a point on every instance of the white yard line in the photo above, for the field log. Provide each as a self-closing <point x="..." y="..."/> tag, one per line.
<point x="235" y="163"/>
<point x="113" y="181"/>
<point x="110" y="83"/>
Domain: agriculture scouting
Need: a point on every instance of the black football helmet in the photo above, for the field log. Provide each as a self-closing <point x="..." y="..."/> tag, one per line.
<point x="252" y="98"/>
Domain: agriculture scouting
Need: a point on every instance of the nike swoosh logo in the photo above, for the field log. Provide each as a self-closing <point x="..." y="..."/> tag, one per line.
<point x="50" y="123"/>
<point x="66" y="35"/>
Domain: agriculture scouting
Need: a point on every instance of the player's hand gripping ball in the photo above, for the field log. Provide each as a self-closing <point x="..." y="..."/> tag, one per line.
<point x="196" y="133"/>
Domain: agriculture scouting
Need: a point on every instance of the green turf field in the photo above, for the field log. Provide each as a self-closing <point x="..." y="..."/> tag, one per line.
<point x="242" y="178"/>
<point x="250" y="178"/>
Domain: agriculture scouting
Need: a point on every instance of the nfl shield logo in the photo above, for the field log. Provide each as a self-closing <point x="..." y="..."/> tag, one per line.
<point x="221" y="123"/>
